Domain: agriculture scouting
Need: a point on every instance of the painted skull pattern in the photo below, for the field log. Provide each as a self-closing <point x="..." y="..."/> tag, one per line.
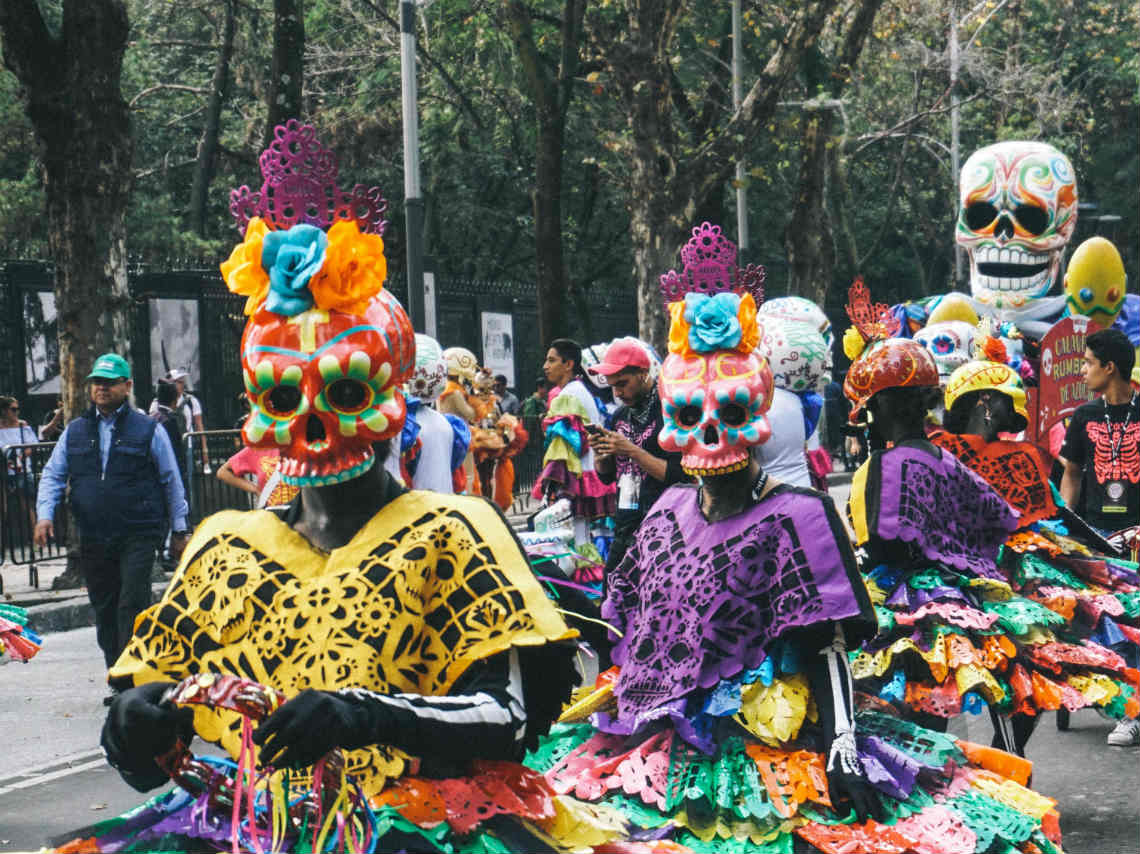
<point x="429" y="376"/>
<point x="798" y="309"/>
<point x="1017" y="209"/>
<point x="797" y="354"/>
<point x="714" y="407"/>
<point x="950" y="342"/>
<point x="324" y="385"/>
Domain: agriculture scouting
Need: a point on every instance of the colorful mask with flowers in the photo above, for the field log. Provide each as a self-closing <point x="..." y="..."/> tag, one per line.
<point x="714" y="388"/>
<point x="326" y="348"/>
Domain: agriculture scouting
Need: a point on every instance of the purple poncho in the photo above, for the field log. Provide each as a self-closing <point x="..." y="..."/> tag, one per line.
<point x="935" y="502"/>
<point x="698" y="602"/>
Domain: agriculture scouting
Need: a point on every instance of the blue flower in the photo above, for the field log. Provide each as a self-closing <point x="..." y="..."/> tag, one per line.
<point x="291" y="258"/>
<point x="713" y="324"/>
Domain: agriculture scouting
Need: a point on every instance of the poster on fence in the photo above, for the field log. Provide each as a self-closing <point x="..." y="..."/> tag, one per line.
<point x="174" y="339"/>
<point x="41" y="343"/>
<point x="499" y="344"/>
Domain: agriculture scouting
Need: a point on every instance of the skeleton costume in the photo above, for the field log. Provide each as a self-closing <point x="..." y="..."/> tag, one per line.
<point x="423" y="646"/>
<point x="1053" y="559"/>
<point x="731" y="724"/>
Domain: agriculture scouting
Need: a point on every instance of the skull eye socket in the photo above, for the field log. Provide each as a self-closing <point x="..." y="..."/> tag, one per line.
<point x="979" y="215"/>
<point x="732" y="415"/>
<point x="690" y="416"/>
<point x="348" y="395"/>
<point x="1032" y="218"/>
<point x="283" y="400"/>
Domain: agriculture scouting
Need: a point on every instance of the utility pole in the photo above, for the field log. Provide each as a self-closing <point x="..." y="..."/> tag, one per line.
<point x="955" y="128"/>
<point x="413" y="198"/>
<point x="741" y="192"/>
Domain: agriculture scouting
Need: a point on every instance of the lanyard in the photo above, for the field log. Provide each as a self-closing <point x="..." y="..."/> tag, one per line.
<point x="1115" y="442"/>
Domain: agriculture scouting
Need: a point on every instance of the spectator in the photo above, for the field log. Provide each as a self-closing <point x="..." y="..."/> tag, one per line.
<point x="630" y="452"/>
<point x="1101" y="455"/>
<point x="15" y="431"/>
<point x="563" y="368"/>
<point x="51" y="429"/>
<point x="162" y="411"/>
<point x="508" y="403"/>
<point x="190" y="410"/>
<point x="534" y="407"/>
<point x="120" y="472"/>
<point x="262" y="464"/>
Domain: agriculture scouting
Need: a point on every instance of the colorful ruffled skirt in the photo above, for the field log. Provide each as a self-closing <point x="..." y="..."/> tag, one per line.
<point x="17" y="641"/>
<point x="950" y="642"/>
<point x="754" y="785"/>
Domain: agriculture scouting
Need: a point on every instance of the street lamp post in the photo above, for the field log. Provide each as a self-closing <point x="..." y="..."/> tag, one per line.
<point x="413" y="198"/>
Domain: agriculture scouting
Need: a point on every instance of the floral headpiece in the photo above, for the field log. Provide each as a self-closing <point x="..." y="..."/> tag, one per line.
<point x="288" y="263"/>
<point x="870" y="321"/>
<point x="712" y="302"/>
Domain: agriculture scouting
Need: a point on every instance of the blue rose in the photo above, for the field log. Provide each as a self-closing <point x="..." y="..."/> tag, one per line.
<point x="292" y="258"/>
<point x="713" y="324"/>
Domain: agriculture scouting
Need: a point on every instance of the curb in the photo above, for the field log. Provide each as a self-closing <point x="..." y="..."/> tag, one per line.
<point x="72" y="613"/>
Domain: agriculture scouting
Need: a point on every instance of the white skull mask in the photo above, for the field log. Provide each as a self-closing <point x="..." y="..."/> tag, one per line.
<point x="429" y="376"/>
<point x="1017" y="209"/>
<point x="950" y="342"/>
<point x="798" y="355"/>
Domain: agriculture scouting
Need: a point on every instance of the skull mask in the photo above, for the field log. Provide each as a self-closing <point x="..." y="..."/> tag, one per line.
<point x="797" y="354"/>
<point x="714" y="409"/>
<point x="950" y="342"/>
<point x="429" y="377"/>
<point x="1017" y="209"/>
<point x="325" y="385"/>
<point x="799" y="309"/>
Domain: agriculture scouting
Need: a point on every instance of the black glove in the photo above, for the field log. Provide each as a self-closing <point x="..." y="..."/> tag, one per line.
<point x="847" y="783"/>
<point x="830" y="679"/>
<point x="138" y="728"/>
<point x="311" y="724"/>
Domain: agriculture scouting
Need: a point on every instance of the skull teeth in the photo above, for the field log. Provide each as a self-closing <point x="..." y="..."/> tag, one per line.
<point x="326" y="471"/>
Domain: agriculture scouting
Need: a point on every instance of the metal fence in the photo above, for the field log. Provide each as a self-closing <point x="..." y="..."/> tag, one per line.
<point x="19" y="483"/>
<point x="202" y="454"/>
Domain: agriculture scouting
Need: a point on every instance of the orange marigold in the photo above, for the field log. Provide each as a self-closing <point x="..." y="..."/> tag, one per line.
<point x="243" y="272"/>
<point x="354" y="270"/>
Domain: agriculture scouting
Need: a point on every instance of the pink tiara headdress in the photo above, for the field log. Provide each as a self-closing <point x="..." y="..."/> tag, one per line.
<point x="709" y="267"/>
<point x="299" y="187"/>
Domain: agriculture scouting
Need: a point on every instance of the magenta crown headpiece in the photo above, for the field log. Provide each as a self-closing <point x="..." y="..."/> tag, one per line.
<point x="300" y="187"/>
<point x="709" y="260"/>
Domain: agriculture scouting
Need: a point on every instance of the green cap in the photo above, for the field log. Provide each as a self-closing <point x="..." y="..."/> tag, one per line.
<point x="110" y="366"/>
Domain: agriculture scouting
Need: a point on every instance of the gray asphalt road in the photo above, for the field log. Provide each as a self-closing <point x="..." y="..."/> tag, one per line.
<point x="53" y="779"/>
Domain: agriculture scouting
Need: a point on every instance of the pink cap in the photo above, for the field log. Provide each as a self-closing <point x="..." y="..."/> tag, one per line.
<point x="622" y="354"/>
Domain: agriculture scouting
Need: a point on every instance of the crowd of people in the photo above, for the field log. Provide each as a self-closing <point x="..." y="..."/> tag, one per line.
<point x="690" y="649"/>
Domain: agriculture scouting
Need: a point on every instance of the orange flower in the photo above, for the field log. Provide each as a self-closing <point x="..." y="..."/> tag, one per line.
<point x="354" y="270"/>
<point x="750" y="329"/>
<point x="243" y="272"/>
<point x="678" y="329"/>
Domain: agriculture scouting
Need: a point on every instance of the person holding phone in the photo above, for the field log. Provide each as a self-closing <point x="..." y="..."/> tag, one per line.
<point x="630" y="452"/>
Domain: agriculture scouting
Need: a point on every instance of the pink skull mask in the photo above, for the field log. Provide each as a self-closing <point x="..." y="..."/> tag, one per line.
<point x="324" y="385"/>
<point x="714" y="407"/>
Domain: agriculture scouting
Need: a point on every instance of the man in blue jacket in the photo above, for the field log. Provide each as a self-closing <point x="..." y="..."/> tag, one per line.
<point x="124" y="489"/>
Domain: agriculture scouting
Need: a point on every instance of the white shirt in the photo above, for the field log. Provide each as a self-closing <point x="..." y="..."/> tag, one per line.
<point x="187" y="406"/>
<point x="433" y="471"/>
<point x="782" y="456"/>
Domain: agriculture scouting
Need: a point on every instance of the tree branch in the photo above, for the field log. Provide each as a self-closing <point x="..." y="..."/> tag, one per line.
<point x="178" y="87"/>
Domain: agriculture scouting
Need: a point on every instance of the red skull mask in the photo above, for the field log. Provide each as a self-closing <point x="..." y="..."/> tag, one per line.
<point x="324" y="385"/>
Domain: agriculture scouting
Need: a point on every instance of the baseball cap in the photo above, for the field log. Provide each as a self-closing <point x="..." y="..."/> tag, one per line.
<point x="176" y="374"/>
<point x="621" y="354"/>
<point x="110" y="366"/>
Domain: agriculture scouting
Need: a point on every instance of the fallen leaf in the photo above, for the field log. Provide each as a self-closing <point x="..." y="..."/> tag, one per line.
<point x="98" y="806"/>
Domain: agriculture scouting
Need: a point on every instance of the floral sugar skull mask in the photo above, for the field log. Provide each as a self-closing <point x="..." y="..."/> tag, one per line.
<point x="1017" y="209"/>
<point x="714" y="407"/>
<point x="324" y="385"/>
<point x="950" y="342"/>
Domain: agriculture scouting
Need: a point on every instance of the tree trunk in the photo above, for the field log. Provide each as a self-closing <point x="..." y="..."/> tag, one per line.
<point x="211" y="131"/>
<point x="71" y="89"/>
<point x="808" y="238"/>
<point x="288" y="70"/>
<point x="551" y="266"/>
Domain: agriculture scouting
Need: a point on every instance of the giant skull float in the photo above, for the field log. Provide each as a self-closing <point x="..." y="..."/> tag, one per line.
<point x="1017" y="209"/>
<point x="714" y="388"/>
<point x="326" y="348"/>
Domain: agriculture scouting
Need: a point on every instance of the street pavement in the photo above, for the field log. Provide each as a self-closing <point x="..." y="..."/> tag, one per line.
<point x="53" y="778"/>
